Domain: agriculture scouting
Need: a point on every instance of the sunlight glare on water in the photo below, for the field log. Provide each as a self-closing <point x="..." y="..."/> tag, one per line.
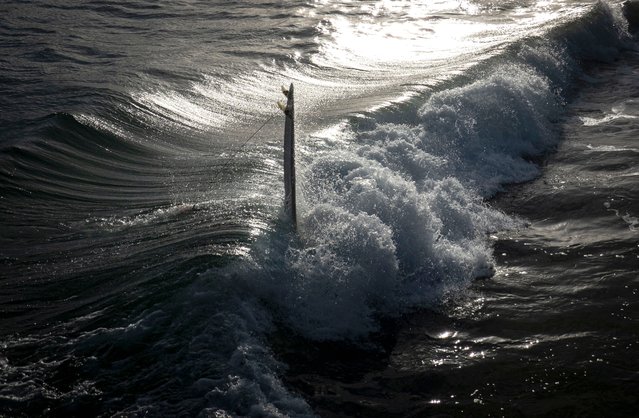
<point x="397" y="32"/>
<point x="388" y="35"/>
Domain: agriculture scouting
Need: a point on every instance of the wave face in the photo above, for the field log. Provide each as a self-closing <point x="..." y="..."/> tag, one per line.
<point x="145" y="263"/>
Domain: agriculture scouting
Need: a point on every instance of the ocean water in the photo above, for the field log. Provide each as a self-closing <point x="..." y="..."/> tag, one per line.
<point x="468" y="238"/>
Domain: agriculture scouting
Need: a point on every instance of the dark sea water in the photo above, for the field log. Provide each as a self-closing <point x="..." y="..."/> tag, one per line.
<point x="468" y="239"/>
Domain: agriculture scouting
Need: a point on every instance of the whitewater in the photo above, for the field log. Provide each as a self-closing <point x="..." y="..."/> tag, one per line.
<point x="467" y="209"/>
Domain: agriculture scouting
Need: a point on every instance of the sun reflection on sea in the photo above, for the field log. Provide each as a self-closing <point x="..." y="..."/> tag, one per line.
<point x="396" y="33"/>
<point x="393" y="34"/>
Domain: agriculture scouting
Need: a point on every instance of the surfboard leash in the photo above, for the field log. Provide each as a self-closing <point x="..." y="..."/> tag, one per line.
<point x="238" y="149"/>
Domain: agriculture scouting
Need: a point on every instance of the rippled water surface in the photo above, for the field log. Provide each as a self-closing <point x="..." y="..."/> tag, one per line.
<point x="468" y="219"/>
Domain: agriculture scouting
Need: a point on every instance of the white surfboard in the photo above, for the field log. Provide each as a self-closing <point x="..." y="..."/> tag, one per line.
<point x="289" y="156"/>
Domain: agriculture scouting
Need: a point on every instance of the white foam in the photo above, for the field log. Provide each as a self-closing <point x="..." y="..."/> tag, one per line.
<point x="395" y="216"/>
<point x="610" y="148"/>
<point x="606" y="119"/>
<point x="632" y="221"/>
<point x="116" y="223"/>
